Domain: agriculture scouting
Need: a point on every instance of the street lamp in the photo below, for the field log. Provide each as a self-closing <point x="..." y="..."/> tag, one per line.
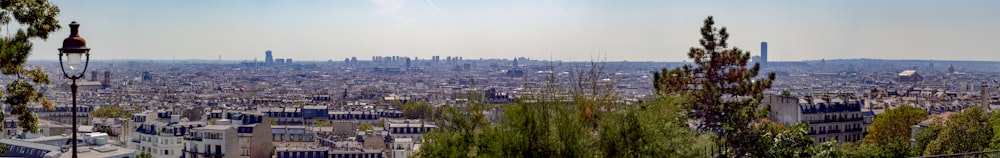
<point x="75" y="48"/>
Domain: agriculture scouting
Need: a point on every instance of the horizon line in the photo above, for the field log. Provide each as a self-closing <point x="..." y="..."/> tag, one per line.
<point x="485" y="59"/>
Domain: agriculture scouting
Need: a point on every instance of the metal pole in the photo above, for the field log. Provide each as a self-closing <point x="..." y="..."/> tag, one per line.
<point x="75" y="128"/>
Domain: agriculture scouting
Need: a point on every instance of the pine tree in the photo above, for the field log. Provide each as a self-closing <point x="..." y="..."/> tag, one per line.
<point x="726" y="90"/>
<point x="37" y="20"/>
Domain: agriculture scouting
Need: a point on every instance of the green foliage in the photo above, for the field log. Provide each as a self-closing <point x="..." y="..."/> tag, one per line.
<point x="144" y="155"/>
<point x="719" y="71"/>
<point x="968" y="131"/>
<point x="776" y="141"/>
<point x="364" y="126"/>
<point x="37" y="20"/>
<point x="895" y="148"/>
<point x="995" y="124"/>
<point x="417" y="110"/>
<point x="322" y="123"/>
<point x="274" y="122"/>
<point x="925" y="137"/>
<point x="894" y="124"/>
<point x="381" y="123"/>
<point x="557" y="129"/>
<point x="657" y="129"/>
<point x="539" y="130"/>
<point x="111" y="112"/>
<point x="461" y="134"/>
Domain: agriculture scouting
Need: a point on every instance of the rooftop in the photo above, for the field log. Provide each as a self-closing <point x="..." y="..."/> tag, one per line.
<point x="216" y="127"/>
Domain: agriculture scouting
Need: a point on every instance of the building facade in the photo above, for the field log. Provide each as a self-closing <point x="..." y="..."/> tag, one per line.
<point x="212" y="141"/>
<point x="160" y="133"/>
<point x="832" y="116"/>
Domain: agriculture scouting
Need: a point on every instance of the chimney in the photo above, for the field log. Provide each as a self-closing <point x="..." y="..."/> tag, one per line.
<point x="175" y="118"/>
<point x="985" y="96"/>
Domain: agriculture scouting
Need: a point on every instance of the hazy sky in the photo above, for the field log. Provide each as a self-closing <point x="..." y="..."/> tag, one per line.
<point x="634" y="30"/>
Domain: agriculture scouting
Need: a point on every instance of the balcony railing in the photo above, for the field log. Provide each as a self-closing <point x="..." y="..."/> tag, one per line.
<point x="192" y="138"/>
<point x="833" y="131"/>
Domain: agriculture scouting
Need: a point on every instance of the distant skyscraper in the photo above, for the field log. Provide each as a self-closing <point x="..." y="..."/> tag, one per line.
<point x="267" y="57"/>
<point x="407" y="63"/>
<point x="146" y="76"/>
<point x="763" y="54"/>
<point x="107" y="79"/>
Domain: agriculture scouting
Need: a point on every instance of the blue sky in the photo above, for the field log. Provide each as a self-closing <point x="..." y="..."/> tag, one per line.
<point x="581" y="30"/>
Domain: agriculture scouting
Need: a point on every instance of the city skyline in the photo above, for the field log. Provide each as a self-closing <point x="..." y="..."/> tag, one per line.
<point x="559" y="30"/>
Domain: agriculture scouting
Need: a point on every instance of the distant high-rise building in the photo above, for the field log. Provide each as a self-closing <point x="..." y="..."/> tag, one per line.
<point x="107" y="79"/>
<point x="267" y="57"/>
<point x="407" y="63"/>
<point x="763" y="54"/>
<point x="146" y="76"/>
<point x="93" y="76"/>
<point x="288" y="61"/>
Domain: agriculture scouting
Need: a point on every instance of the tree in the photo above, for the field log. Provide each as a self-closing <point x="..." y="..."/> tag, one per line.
<point x="381" y="123"/>
<point x="462" y="133"/>
<point x="365" y="126"/>
<point x="995" y="124"/>
<point x="894" y="124"/>
<point x="417" y="110"/>
<point x="725" y="90"/>
<point x="925" y="137"/>
<point x="656" y="129"/>
<point x="111" y="112"/>
<point x="144" y="155"/>
<point x="32" y="20"/>
<point x="777" y="141"/>
<point x="968" y="131"/>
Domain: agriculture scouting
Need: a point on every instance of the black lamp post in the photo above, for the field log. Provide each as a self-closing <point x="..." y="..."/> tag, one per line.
<point x="75" y="48"/>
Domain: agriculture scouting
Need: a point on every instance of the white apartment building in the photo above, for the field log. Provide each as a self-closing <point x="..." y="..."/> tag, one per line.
<point x="161" y="134"/>
<point x="253" y="133"/>
<point x="402" y="147"/>
<point x="212" y="141"/>
<point x="408" y="128"/>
